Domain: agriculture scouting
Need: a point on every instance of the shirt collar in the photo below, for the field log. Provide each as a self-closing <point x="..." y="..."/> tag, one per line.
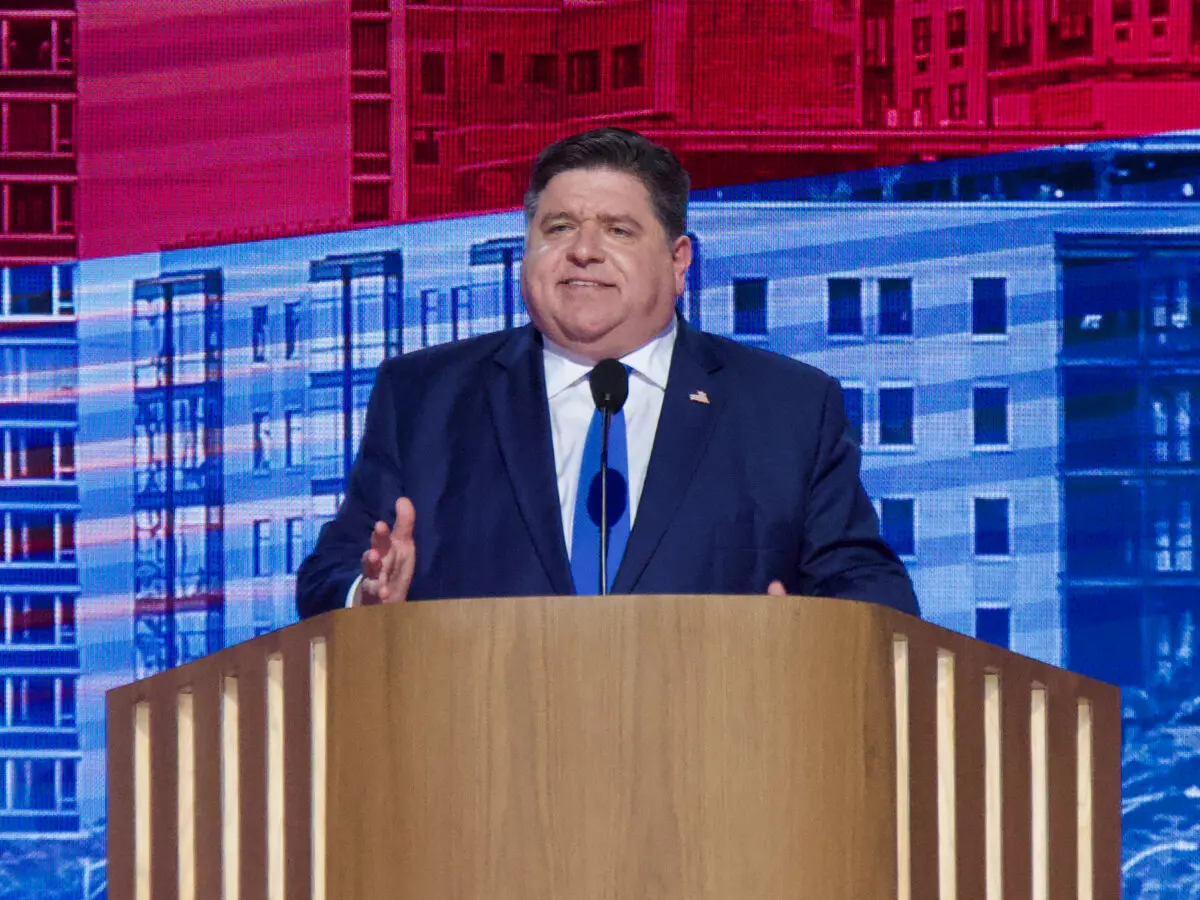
<point x="651" y="361"/>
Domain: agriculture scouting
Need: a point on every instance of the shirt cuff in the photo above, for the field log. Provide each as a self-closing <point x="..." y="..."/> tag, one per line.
<point x="354" y="595"/>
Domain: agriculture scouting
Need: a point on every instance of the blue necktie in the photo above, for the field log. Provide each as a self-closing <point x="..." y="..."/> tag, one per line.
<point x="585" y="540"/>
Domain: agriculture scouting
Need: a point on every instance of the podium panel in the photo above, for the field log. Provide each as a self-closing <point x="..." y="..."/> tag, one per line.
<point x="619" y="747"/>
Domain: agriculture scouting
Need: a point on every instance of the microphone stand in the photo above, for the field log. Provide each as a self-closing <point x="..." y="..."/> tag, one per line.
<point x="604" y="505"/>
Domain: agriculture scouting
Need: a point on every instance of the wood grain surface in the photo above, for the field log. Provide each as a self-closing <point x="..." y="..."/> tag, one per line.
<point x="621" y="747"/>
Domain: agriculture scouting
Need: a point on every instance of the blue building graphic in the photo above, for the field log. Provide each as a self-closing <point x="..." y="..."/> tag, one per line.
<point x="39" y="577"/>
<point x="1020" y="375"/>
<point x="178" y="460"/>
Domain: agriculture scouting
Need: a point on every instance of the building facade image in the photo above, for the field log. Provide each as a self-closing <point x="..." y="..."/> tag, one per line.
<point x="1129" y="368"/>
<point x="940" y="320"/>
<point x="39" y="548"/>
<point x="39" y="356"/>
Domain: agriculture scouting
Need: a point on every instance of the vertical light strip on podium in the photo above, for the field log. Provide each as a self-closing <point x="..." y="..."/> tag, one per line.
<point x="993" y="789"/>
<point x="141" y="801"/>
<point x="1085" y="805"/>
<point x="275" y="811"/>
<point x="903" y="771"/>
<point x="318" y="760"/>
<point x="185" y="731"/>
<point x="1039" y="784"/>
<point x="946" y="779"/>
<point x="230" y="791"/>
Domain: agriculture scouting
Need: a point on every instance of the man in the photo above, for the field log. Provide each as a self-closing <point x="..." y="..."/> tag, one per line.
<point x="478" y="472"/>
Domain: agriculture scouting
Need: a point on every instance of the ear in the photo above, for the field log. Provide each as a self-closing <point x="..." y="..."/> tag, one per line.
<point x="681" y="258"/>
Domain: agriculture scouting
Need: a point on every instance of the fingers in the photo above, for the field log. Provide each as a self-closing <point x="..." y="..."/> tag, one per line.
<point x="402" y="560"/>
<point x="373" y="556"/>
<point x="406" y="518"/>
<point x="776" y="589"/>
<point x="388" y="563"/>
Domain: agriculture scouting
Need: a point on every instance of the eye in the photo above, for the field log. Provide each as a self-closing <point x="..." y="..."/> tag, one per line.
<point x="558" y="228"/>
<point x="620" y="231"/>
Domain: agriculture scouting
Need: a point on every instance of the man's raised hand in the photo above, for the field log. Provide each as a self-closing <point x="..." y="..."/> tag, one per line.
<point x="387" y="565"/>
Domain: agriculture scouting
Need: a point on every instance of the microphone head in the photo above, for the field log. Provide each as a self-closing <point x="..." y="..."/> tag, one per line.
<point x="610" y="385"/>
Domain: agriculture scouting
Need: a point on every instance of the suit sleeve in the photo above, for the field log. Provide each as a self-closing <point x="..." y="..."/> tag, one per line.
<point x="375" y="482"/>
<point x="842" y="554"/>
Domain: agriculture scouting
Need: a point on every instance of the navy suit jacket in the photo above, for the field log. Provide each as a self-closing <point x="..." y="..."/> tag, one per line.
<point x="759" y="483"/>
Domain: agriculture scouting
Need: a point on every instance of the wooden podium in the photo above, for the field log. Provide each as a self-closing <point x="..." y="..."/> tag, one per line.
<point x="624" y="748"/>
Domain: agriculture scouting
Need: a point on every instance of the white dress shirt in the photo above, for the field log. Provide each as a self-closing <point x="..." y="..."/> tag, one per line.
<point x="571" y="410"/>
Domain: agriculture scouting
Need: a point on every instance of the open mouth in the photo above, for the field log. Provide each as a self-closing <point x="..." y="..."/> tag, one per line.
<point x="584" y="283"/>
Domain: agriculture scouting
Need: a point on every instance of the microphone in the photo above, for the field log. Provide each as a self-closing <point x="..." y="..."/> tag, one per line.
<point x="609" y="382"/>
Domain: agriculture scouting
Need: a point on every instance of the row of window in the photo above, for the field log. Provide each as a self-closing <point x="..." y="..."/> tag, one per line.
<point x="583" y="69"/>
<point x="38" y="784"/>
<point x="1010" y="21"/>
<point x="37" y="536"/>
<point x="844" y="307"/>
<point x="956" y="32"/>
<point x="1117" y="531"/>
<point x="896" y="419"/>
<point x="956" y="105"/>
<point x="263" y="549"/>
<point x="37" y="701"/>
<point x="38" y="619"/>
<point x="46" y="453"/>
<point x="897" y="415"/>
<point x="991" y="527"/>
<point x="845" y="312"/>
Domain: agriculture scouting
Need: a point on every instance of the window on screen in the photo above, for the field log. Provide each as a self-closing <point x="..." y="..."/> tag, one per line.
<point x="991" y="416"/>
<point x="994" y="625"/>
<point x="895" y="306"/>
<point x="262" y="548"/>
<point x="583" y="72"/>
<point x="29" y="127"/>
<point x="258" y="328"/>
<point x="992" y="527"/>
<point x="989" y="306"/>
<point x="433" y="73"/>
<point x="750" y="306"/>
<point x="845" y="306"/>
<point x="897" y="524"/>
<point x="30" y="208"/>
<point x="896" y="416"/>
<point x="852" y="398"/>
<point x="627" y="66"/>
<point x="29" y="44"/>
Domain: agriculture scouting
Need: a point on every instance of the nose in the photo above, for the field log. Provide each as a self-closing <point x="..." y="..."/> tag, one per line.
<point x="585" y="247"/>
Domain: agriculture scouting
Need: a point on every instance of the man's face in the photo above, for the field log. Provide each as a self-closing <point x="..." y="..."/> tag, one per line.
<point x="599" y="276"/>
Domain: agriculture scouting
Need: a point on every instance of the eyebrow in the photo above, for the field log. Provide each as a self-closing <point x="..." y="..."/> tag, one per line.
<point x="604" y="219"/>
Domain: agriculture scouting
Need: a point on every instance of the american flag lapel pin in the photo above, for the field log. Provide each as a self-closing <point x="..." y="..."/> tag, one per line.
<point x="698" y="397"/>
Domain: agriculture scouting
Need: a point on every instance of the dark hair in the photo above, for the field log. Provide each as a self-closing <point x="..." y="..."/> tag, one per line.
<point x="624" y="151"/>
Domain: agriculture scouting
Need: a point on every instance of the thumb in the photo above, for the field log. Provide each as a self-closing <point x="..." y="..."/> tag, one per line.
<point x="776" y="589"/>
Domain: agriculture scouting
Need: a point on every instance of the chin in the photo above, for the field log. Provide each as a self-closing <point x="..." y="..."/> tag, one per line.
<point x="588" y="332"/>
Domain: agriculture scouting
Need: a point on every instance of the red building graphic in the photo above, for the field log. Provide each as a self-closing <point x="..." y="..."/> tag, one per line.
<point x="210" y="116"/>
<point x="213" y="121"/>
<point x="37" y="144"/>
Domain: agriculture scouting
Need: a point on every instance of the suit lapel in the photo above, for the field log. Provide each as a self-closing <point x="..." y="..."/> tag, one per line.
<point x="522" y="418"/>
<point x="684" y="428"/>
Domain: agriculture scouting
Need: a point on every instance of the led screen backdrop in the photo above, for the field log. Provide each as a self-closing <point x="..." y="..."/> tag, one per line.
<point x="219" y="217"/>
